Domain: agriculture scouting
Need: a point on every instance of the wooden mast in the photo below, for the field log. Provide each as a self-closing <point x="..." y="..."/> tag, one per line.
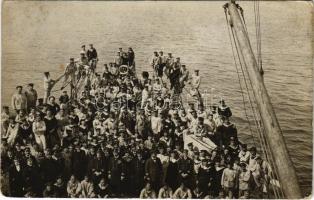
<point x="273" y="134"/>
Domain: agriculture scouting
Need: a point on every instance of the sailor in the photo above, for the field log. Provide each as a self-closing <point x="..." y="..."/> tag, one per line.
<point x="244" y="154"/>
<point x="118" y="59"/>
<point x="31" y="176"/>
<point x="52" y="105"/>
<point x="83" y="51"/>
<point x="16" y="181"/>
<point x="190" y="150"/>
<point x="114" y="172"/>
<point x="73" y="187"/>
<point x="197" y="161"/>
<point x="121" y="51"/>
<point x="145" y="96"/>
<point x="64" y="99"/>
<point x="31" y="95"/>
<point x="184" y="75"/>
<point x="49" y="191"/>
<point x="12" y="132"/>
<point x="226" y="131"/>
<point x="165" y="192"/>
<point x="228" y="180"/>
<point x="5" y="116"/>
<point x="131" y="57"/>
<point x="193" y="121"/>
<point x="87" y="188"/>
<point x="106" y="74"/>
<point x="244" y="179"/>
<point x="183" y="192"/>
<point x="39" y="130"/>
<point x="157" y="86"/>
<point x="79" y="162"/>
<point x="198" y="193"/>
<point x="162" y="65"/>
<point x="169" y="64"/>
<point x="148" y="192"/>
<point x="83" y="60"/>
<point x="177" y="63"/>
<point x="103" y="189"/>
<point x="210" y="124"/>
<point x="70" y="72"/>
<point x="201" y="129"/>
<point x="19" y="100"/>
<point x="174" y="76"/>
<point x="139" y="171"/>
<point x="92" y="53"/>
<point x="223" y="109"/>
<point x="153" y="169"/>
<point x="185" y="167"/>
<point x="205" y="175"/>
<point x="124" y="58"/>
<point x="164" y="159"/>
<point x="156" y="62"/>
<point x="156" y="123"/>
<point x="196" y="79"/>
<point x="52" y="137"/>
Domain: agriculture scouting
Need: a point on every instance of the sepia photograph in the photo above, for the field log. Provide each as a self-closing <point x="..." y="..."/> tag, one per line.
<point x="157" y="99"/>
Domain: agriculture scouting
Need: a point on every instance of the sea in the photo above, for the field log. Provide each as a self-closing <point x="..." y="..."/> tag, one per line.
<point x="39" y="36"/>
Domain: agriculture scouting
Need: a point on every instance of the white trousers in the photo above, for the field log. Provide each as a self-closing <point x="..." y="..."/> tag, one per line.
<point x="41" y="141"/>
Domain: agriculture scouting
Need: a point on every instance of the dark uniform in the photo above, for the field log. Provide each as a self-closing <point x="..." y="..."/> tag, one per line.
<point x="186" y="166"/>
<point x="154" y="170"/>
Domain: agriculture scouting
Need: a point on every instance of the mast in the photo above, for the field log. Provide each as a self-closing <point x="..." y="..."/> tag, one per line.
<point x="273" y="134"/>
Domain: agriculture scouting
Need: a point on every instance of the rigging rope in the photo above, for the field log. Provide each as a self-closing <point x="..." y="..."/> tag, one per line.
<point x="261" y="131"/>
<point x="262" y="139"/>
<point x="258" y="34"/>
<point x="235" y="63"/>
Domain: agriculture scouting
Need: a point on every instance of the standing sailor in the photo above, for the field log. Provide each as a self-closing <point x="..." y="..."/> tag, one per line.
<point x="48" y="83"/>
<point x="156" y="62"/>
<point x="91" y="53"/>
<point x="163" y="61"/>
<point x="184" y="75"/>
<point x="131" y="57"/>
<point x="19" y="100"/>
<point x="83" y="50"/>
<point x="92" y="57"/>
<point x="70" y="72"/>
<point x="223" y="109"/>
<point x="31" y="95"/>
<point x="196" y="80"/>
<point x="118" y="59"/>
<point x="169" y="64"/>
<point x="195" y="83"/>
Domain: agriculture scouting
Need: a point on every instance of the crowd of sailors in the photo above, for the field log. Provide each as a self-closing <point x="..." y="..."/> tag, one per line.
<point x="123" y="136"/>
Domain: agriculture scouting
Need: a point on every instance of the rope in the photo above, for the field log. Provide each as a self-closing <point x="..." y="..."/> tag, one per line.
<point x="265" y="147"/>
<point x="61" y="87"/>
<point x="258" y="34"/>
<point x="235" y="63"/>
<point x="261" y="130"/>
<point x="261" y="138"/>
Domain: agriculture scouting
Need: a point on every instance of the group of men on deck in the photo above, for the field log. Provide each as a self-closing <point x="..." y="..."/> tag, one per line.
<point x="174" y="70"/>
<point x="122" y="136"/>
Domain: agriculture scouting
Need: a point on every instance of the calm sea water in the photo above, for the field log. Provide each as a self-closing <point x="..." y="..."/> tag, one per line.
<point x="41" y="36"/>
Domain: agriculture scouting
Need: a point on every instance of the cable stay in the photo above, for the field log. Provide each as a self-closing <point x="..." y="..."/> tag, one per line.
<point x="278" y="193"/>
